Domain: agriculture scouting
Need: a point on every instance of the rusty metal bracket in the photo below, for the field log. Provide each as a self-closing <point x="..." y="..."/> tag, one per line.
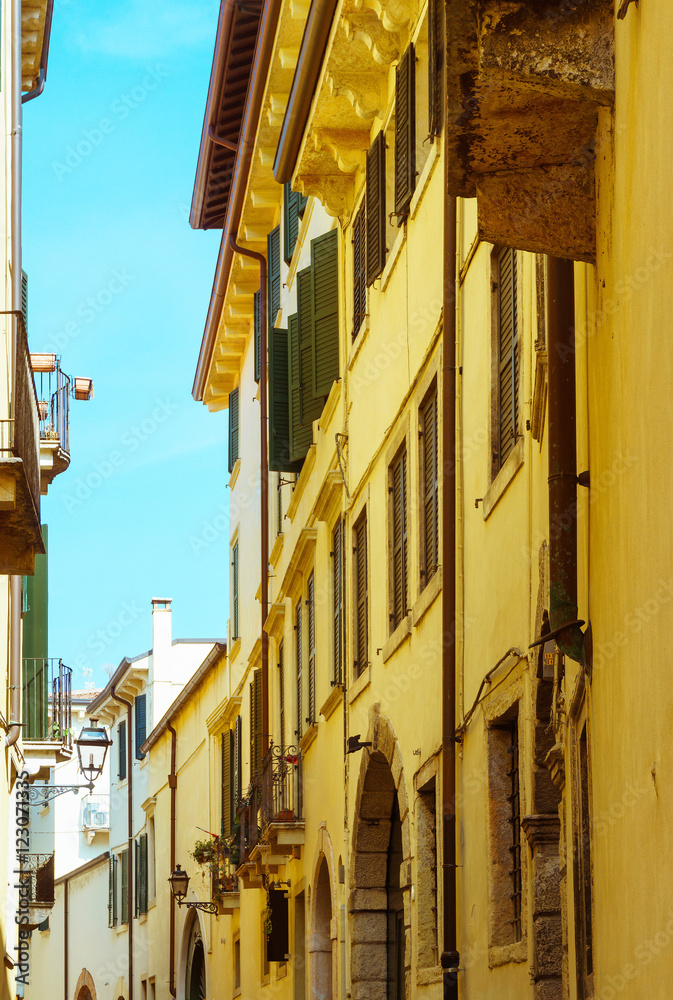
<point x="623" y="8"/>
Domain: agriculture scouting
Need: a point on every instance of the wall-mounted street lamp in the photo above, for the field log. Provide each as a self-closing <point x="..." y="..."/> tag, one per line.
<point x="179" y="881"/>
<point x="92" y="746"/>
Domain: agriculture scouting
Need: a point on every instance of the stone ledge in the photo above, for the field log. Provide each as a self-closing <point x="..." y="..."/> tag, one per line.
<point x="402" y="631"/>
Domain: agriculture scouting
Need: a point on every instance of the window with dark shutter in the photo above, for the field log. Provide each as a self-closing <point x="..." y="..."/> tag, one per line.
<point x="273" y="275"/>
<point x="405" y="133"/>
<point x="234" y="591"/>
<point x="257" y="323"/>
<point x="24" y="299"/>
<point x="325" y="306"/>
<point x="124" y="858"/>
<point x="435" y="65"/>
<point x="279" y="404"/>
<point x="256" y="725"/>
<point x="141" y="873"/>
<point x="361" y="601"/>
<point x="298" y="666"/>
<point x="359" y="270"/>
<point x="375" y="188"/>
<point x="311" y="406"/>
<point x="429" y="479"/>
<point x="233" y="428"/>
<point x="112" y="892"/>
<point x="310" y="605"/>
<point x="338" y="603"/>
<point x="292" y="202"/>
<point x="227" y="786"/>
<point x="281" y="691"/>
<point x="140" y="707"/>
<point x="398" y="495"/>
<point x="238" y="761"/>
<point x="121" y="738"/>
<point x="508" y="357"/>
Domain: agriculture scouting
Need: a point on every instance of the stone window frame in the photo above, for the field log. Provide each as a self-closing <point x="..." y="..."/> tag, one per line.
<point x="428" y="773"/>
<point x="579" y="726"/>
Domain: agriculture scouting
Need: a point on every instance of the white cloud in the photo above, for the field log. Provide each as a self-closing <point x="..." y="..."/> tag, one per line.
<point x="148" y="29"/>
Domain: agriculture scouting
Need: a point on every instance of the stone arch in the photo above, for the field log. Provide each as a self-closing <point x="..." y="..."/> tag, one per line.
<point x="322" y="939"/>
<point x="193" y="952"/>
<point x="85" y="989"/>
<point x="380" y="890"/>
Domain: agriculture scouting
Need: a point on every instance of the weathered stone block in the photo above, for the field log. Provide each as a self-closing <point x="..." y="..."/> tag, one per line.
<point x="369" y="991"/>
<point x="369" y="927"/>
<point x="549" y="989"/>
<point x="377" y="805"/>
<point x="369" y="961"/>
<point x="548" y="946"/>
<point x="371" y="870"/>
<point x="368" y="899"/>
<point x="546" y="796"/>
<point x="546" y="885"/>
<point x="373" y="835"/>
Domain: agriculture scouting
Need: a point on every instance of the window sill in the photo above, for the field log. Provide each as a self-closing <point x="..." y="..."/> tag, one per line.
<point x="500" y="484"/>
<point x="401" y="633"/>
<point x="235" y="649"/>
<point x="142" y="918"/>
<point x="234" y="474"/>
<point x="394" y="256"/>
<point x="121" y="928"/>
<point x="427" y="597"/>
<point x="281" y="971"/>
<point x="300" y="485"/>
<point x="277" y="548"/>
<point x="503" y="954"/>
<point x="308" y="737"/>
<point x="358" y="341"/>
<point x="424" y="179"/>
<point x="335" y="698"/>
<point x="359" y="684"/>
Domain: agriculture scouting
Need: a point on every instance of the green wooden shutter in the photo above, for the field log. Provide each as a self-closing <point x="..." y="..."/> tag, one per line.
<point x="121" y="736"/>
<point x="256" y="724"/>
<point x="435" y="65"/>
<point x="359" y="270"/>
<point x="311" y="406"/>
<point x="279" y="403"/>
<point x="273" y="275"/>
<point x="430" y="487"/>
<point x="257" y="322"/>
<point x="310" y="604"/>
<point x="24" y="299"/>
<point x="375" y="185"/>
<point x="298" y="667"/>
<point x="141" y="873"/>
<point x="112" y="892"/>
<point x="233" y="428"/>
<point x="302" y="201"/>
<point x="337" y="602"/>
<point x="281" y="691"/>
<point x="399" y="519"/>
<point x="227" y="784"/>
<point x="140" y="707"/>
<point x="291" y="206"/>
<point x="361" y="596"/>
<point x="238" y="762"/>
<point x="405" y="133"/>
<point x="325" y="306"/>
<point x="234" y="597"/>
<point x="508" y="373"/>
<point x="125" y="886"/>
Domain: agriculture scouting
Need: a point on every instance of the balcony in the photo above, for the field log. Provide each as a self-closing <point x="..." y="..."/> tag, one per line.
<point x="282" y="799"/>
<point x="53" y="389"/>
<point x="36" y="892"/>
<point x="20" y="532"/>
<point x="224" y="888"/>
<point x="47" y="709"/>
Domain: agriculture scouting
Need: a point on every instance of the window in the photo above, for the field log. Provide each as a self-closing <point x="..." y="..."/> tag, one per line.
<point x="428" y="951"/>
<point x="429" y="481"/>
<point x="337" y="603"/>
<point x="121" y="746"/>
<point x="310" y="605"/>
<point x="583" y="871"/>
<point x="293" y="209"/>
<point x="112" y="892"/>
<point x="279" y="399"/>
<point x="359" y="270"/>
<point x="398" y="520"/>
<point x="298" y="666"/>
<point x="375" y="187"/>
<point x="237" y="964"/>
<point x="273" y="275"/>
<point x="281" y="691"/>
<point x="234" y="591"/>
<point x="506" y="367"/>
<point x="256" y="733"/>
<point x="361" y="601"/>
<point x="435" y="65"/>
<point x="124" y="859"/>
<point x="505" y="807"/>
<point x="233" y="428"/>
<point x="141" y="874"/>
<point x="238" y="762"/>
<point x="257" y="328"/>
<point x="227" y="784"/>
<point x="151" y="862"/>
<point x="140" y="707"/>
<point x="265" y="956"/>
<point x="405" y="134"/>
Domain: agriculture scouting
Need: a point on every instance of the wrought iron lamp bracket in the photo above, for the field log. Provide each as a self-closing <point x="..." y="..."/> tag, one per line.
<point x="43" y="794"/>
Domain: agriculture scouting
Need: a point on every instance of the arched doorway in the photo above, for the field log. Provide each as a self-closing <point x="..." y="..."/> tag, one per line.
<point x="195" y="972"/>
<point x="321" y="936"/>
<point x="84" y="994"/>
<point x="380" y="871"/>
<point x="85" y="989"/>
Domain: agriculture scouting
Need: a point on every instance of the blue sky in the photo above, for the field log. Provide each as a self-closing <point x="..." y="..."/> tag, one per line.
<point x="119" y="286"/>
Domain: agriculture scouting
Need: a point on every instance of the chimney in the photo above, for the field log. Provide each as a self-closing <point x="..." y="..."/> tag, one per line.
<point x="161" y="627"/>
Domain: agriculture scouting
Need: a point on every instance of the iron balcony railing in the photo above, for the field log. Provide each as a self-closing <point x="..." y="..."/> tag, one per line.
<point x="282" y="785"/>
<point x="19" y="433"/>
<point x="37" y="878"/>
<point x="47" y="700"/>
<point x="247" y="815"/>
<point x="53" y="394"/>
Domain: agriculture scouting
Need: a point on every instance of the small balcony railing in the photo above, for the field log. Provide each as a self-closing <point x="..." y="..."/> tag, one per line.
<point x="96" y="812"/>
<point x="282" y="785"/>
<point x="19" y="433"/>
<point x="37" y="876"/>
<point x="53" y="388"/>
<point x="248" y="819"/>
<point x="47" y="700"/>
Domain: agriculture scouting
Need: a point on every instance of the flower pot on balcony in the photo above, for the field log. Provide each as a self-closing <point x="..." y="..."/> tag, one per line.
<point x="285" y="816"/>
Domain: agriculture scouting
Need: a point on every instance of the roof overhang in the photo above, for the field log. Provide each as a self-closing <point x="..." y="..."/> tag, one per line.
<point x="36" y="18"/>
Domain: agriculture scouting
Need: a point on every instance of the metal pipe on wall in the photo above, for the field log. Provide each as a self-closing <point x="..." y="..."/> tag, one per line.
<point x="264" y="474"/>
<point x="173" y="785"/>
<point x="129" y="783"/>
<point x="65" y="941"/>
<point x="14" y="732"/>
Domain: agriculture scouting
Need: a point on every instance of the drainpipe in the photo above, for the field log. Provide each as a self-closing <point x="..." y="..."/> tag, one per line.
<point x="562" y="459"/>
<point x="65" y="941"/>
<point x="44" y="57"/>
<point x="14" y="731"/>
<point x="15" y="155"/>
<point x="129" y="896"/>
<point x="173" y="785"/>
<point x="264" y="474"/>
